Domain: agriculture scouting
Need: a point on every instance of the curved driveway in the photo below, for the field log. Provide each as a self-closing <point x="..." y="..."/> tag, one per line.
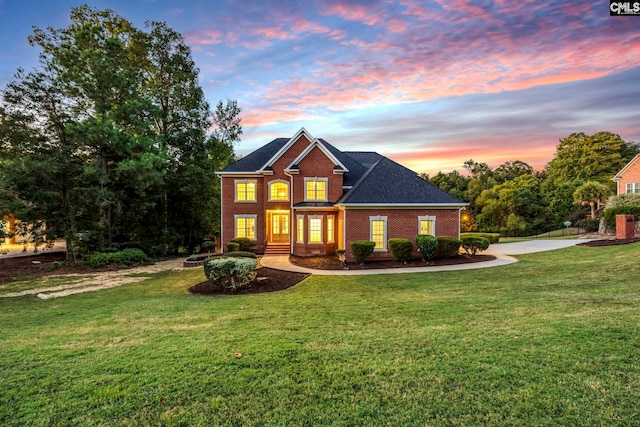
<point x="500" y="250"/>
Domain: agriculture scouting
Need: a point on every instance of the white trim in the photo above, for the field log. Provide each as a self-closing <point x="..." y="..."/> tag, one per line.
<point x="618" y="176"/>
<point x="245" y="181"/>
<point x="299" y="239"/>
<point x="239" y="174"/>
<point x="427" y="218"/>
<point x="401" y="205"/>
<point x="278" y="181"/>
<point x="325" y="151"/>
<point x="286" y="147"/>
<point x="317" y="179"/>
<point x="384" y="239"/>
<point x="255" y="225"/>
<point x="312" y="218"/>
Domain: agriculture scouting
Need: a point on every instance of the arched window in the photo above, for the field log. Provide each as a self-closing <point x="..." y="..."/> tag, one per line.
<point x="278" y="191"/>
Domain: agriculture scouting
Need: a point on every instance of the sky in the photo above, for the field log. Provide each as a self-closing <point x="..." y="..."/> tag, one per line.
<point x="429" y="84"/>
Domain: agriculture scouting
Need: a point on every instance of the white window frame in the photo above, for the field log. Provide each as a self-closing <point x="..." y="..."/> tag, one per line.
<point x="634" y="187"/>
<point x="331" y="228"/>
<point x="299" y="228"/>
<point x="326" y="189"/>
<point x="277" y="181"/>
<point x="427" y="218"/>
<point x="255" y="225"/>
<point x="372" y="219"/>
<point x="245" y="181"/>
<point x="313" y="218"/>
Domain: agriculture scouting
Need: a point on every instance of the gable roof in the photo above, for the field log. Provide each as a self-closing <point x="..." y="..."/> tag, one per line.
<point x="369" y="178"/>
<point x="618" y="176"/>
<point x="389" y="183"/>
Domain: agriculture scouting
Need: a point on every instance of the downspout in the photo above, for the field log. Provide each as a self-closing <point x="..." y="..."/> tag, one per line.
<point x="292" y="223"/>
<point x="221" y="217"/>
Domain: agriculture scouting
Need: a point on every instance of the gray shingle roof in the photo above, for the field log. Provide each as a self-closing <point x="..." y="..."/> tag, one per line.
<point x="374" y="179"/>
<point x="387" y="182"/>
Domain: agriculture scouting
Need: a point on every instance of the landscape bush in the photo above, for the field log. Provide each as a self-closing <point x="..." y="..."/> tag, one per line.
<point x="240" y="254"/>
<point x="401" y="249"/>
<point x="427" y="245"/>
<point x="473" y="245"/>
<point x="491" y="237"/>
<point x="230" y="273"/>
<point x="233" y="246"/>
<point x="610" y="214"/>
<point x="126" y="258"/>
<point x="447" y="246"/>
<point x="245" y="243"/>
<point x="590" y="225"/>
<point x="361" y="249"/>
<point x="208" y="246"/>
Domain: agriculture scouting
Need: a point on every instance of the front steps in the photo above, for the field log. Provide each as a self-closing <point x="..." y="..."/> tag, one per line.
<point x="277" y="249"/>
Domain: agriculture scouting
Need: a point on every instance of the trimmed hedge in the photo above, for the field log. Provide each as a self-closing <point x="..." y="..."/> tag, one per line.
<point x="472" y="245"/>
<point x="610" y="214"/>
<point x="240" y="254"/>
<point x="230" y="273"/>
<point x="447" y="247"/>
<point x="126" y="258"/>
<point x="491" y="237"/>
<point x="233" y="246"/>
<point x="427" y="245"/>
<point x="401" y="249"/>
<point x="245" y="243"/>
<point x="361" y="249"/>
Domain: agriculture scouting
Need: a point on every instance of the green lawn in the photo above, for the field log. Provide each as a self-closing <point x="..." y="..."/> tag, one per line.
<point x="551" y="340"/>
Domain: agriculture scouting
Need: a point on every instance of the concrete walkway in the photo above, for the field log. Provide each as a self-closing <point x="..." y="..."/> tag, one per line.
<point x="501" y="251"/>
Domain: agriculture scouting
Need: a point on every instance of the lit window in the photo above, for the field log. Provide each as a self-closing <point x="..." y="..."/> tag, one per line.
<point x="315" y="189"/>
<point x="278" y="190"/>
<point x="246" y="226"/>
<point x="245" y="190"/>
<point x="315" y="229"/>
<point x="300" y="237"/>
<point x="379" y="232"/>
<point x="427" y="225"/>
<point x="330" y="238"/>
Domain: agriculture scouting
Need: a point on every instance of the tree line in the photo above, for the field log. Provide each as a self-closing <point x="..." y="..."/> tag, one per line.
<point x="109" y="142"/>
<point x="516" y="200"/>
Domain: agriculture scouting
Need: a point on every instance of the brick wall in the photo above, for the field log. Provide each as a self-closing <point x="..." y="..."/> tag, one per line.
<point x="631" y="175"/>
<point x="401" y="223"/>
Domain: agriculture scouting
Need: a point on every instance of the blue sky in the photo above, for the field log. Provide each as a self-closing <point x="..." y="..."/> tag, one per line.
<point x="428" y="83"/>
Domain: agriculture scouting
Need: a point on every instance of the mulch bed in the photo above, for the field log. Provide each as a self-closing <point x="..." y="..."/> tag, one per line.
<point x="267" y="280"/>
<point x="332" y="262"/>
<point x="40" y="265"/>
<point x="609" y="242"/>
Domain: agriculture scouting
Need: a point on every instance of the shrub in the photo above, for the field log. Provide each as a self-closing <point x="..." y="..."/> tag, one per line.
<point x="126" y="258"/>
<point x="447" y="246"/>
<point x="233" y="246"/>
<point x="245" y="243"/>
<point x="427" y="245"/>
<point x="241" y="254"/>
<point x="472" y="245"/>
<point x="208" y="246"/>
<point x="610" y="214"/>
<point x="230" y="273"/>
<point x="491" y="237"/>
<point x="401" y="249"/>
<point x="362" y="249"/>
<point x="589" y="224"/>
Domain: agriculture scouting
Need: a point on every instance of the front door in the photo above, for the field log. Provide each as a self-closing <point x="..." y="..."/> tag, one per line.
<point x="280" y="227"/>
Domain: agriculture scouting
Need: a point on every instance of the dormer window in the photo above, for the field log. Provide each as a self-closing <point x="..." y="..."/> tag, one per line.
<point x="278" y="191"/>
<point x="315" y="189"/>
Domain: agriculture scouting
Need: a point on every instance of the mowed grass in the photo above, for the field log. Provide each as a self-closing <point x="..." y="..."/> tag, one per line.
<point x="551" y="340"/>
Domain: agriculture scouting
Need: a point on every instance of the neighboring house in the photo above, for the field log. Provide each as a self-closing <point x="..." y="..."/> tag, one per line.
<point x="628" y="179"/>
<point x="305" y="197"/>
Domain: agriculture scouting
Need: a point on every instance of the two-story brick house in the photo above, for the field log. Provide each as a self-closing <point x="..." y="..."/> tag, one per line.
<point x="305" y="197"/>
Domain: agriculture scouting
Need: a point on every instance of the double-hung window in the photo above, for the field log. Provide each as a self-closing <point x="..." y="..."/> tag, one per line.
<point x="427" y="225"/>
<point x="315" y="228"/>
<point x="378" y="232"/>
<point x="315" y="189"/>
<point x="246" y="190"/>
<point x="633" y="187"/>
<point x="278" y="191"/>
<point x="246" y="226"/>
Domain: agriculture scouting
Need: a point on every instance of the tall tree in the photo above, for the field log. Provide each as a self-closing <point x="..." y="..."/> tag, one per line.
<point x="592" y="193"/>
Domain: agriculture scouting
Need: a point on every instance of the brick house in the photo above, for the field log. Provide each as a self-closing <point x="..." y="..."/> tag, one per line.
<point x="303" y="196"/>
<point x="628" y="179"/>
